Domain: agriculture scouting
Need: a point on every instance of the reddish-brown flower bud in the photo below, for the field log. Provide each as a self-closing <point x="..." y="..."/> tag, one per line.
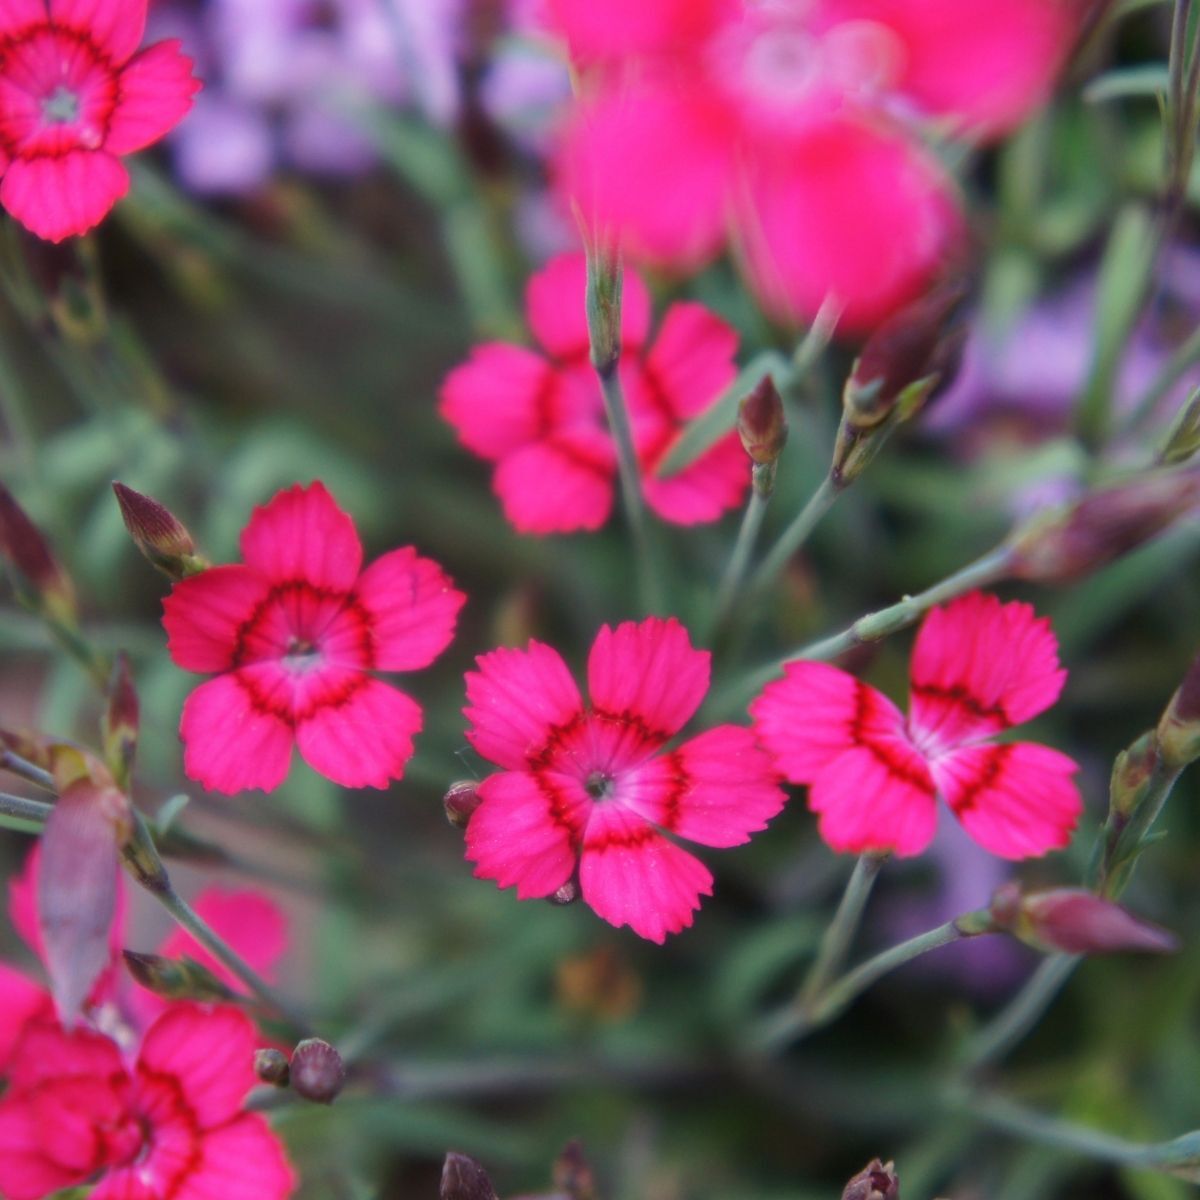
<point x="317" y="1071"/>
<point x="119" y="725"/>
<point x="1074" y="921"/>
<point x="158" y="534"/>
<point x="876" y="1181"/>
<point x="1179" y="728"/>
<point x="176" y="978"/>
<point x="463" y="1178"/>
<point x="1101" y="526"/>
<point x="460" y="801"/>
<point x="271" y="1066"/>
<point x="761" y="423"/>
<point x="38" y="579"/>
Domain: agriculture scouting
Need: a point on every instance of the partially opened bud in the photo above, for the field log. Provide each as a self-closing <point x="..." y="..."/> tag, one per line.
<point x="1083" y="536"/>
<point x="271" y="1066"/>
<point x="460" y="801"/>
<point x="573" y="1175"/>
<point x="761" y="423"/>
<point x="40" y="583"/>
<point x="317" y="1071"/>
<point x="876" y="1181"/>
<point x="1074" y="921"/>
<point x="119" y="725"/>
<point x="159" y="534"/>
<point x="176" y="978"/>
<point x="1183" y="439"/>
<point x="465" y="1179"/>
<point x="1179" y="728"/>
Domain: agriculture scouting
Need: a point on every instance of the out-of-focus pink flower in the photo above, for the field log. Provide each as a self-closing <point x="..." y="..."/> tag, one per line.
<point x="585" y="787"/>
<point x="979" y="667"/>
<point x="169" y="1125"/>
<point x="74" y="96"/>
<point x="540" y="416"/>
<point x="787" y="129"/>
<point x="293" y="635"/>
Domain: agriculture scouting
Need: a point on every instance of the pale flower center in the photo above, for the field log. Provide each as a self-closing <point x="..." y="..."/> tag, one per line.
<point x="599" y="785"/>
<point x="61" y="107"/>
<point x="301" y="655"/>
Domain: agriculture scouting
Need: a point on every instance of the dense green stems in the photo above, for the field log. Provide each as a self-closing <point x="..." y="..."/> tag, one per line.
<point x="795" y="535"/>
<point x="730" y="586"/>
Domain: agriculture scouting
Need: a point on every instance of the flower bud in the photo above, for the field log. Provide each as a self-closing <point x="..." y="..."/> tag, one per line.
<point x="119" y="725"/>
<point x="39" y="581"/>
<point x="604" y="308"/>
<point x="159" y="534"/>
<point x="567" y="894"/>
<point x="1183" y="438"/>
<point x="176" y="978"/>
<point x="1179" y="728"/>
<point x="876" y="1181"/>
<point x="465" y="1179"/>
<point x="573" y="1175"/>
<point x="761" y="423"/>
<point x="1074" y="921"/>
<point x="1131" y="776"/>
<point x="317" y="1071"/>
<point x="460" y="801"/>
<point x="271" y="1066"/>
<point x="1090" y="532"/>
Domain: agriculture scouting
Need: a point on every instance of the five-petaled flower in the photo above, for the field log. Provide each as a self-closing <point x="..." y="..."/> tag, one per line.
<point x="295" y="632"/>
<point x="540" y="417"/>
<point x="586" y="787"/>
<point x="979" y="667"/>
<point x="73" y="96"/>
<point x="168" y="1127"/>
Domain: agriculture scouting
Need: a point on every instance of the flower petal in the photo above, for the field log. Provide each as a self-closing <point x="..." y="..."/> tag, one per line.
<point x="1017" y="800"/>
<point x="156" y="90"/>
<point x="301" y="534"/>
<point x="716" y="789"/>
<point x="21" y="1000"/>
<point x="517" y="701"/>
<point x="980" y="666"/>
<point x="526" y="831"/>
<point x="649" y="672"/>
<point x="62" y="196"/>
<point x="26" y="1173"/>
<point x="411" y="607"/>
<point x="556" y="304"/>
<point x="15" y="15"/>
<point x="243" y="1160"/>
<point x="631" y="875"/>
<point x="703" y="491"/>
<point x="249" y="921"/>
<point x="116" y="26"/>
<point x="693" y="359"/>
<point x="559" y="485"/>
<point x="205" y="614"/>
<point x="48" y="1052"/>
<point x="627" y="27"/>
<point x="364" y="737"/>
<point x="232" y="741"/>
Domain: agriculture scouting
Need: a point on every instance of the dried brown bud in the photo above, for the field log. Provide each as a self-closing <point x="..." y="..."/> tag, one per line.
<point x="1074" y="921"/>
<point x="465" y="1179"/>
<point x="1101" y="526"/>
<point x="39" y="580"/>
<point x="761" y="423"/>
<point x="460" y="801"/>
<point x="271" y="1066"/>
<point x="1179" y="729"/>
<point x="158" y="534"/>
<point x="876" y="1181"/>
<point x="175" y="978"/>
<point x="317" y="1071"/>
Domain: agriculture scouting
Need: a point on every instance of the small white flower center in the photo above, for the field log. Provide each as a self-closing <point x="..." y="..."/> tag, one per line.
<point x="599" y="785"/>
<point x="302" y="655"/>
<point x="61" y="107"/>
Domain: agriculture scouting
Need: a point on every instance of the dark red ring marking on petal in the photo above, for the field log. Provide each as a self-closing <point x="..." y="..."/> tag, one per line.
<point x="894" y="764"/>
<point x="991" y="770"/>
<point x="629" y="839"/>
<point x="332" y="698"/>
<point x="630" y="719"/>
<point x="182" y="1112"/>
<point x="959" y="695"/>
<point x="559" y="808"/>
<point x="680" y="782"/>
<point x="580" y="459"/>
<point x="349" y="602"/>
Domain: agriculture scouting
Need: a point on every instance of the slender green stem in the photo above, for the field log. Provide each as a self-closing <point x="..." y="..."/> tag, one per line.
<point x="22" y="815"/>
<point x="731" y="582"/>
<point x="16" y="765"/>
<point x="794" y="536"/>
<point x="1176" y="367"/>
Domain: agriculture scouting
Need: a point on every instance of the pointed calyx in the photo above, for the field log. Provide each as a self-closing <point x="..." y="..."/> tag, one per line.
<point x="604" y="308"/>
<point x="176" y="978"/>
<point x="159" y="534"/>
<point x="876" y="1181"/>
<point x="1179" y="728"/>
<point x="763" y="429"/>
<point x="463" y="1178"/>
<point x="39" y="581"/>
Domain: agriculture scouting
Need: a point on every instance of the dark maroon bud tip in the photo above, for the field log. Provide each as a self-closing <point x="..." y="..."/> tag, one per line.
<point x="28" y="553"/>
<point x="317" y="1071"/>
<point x="465" y="1179"/>
<point x="158" y="533"/>
<point x="761" y="423"/>
<point x="876" y="1181"/>
<point x="460" y="801"/>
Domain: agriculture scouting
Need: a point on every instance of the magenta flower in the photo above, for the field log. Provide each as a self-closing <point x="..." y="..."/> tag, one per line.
<point x="293" y="635"/>
<point x="168" y="1127"/>
<point x="787" y="130"/>
<point x="979" y="668"/>
<point x="586" y="788"/>
<point x="540" y="416"/>
<point x="74" y="96"/>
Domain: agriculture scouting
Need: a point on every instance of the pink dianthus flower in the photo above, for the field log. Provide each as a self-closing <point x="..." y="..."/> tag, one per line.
<point x="979" y="667"/>
<point x="539" y="416"/>
<point x="293" y="634"/>
<point x="74" y="96"/>
<point x="586" y="788"/>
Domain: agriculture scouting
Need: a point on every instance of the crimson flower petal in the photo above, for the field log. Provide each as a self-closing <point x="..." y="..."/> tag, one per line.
<point x="716" y="789"/>
<point x="705" y="490"/>
<point x="64" y="195"/>
<point x="1017" y="800"/>
<point x="115" y="26"/>
<point x="980" y="666"/>
<point x="26" y="1172"/>
<point x="623" y="27"/>
<point x="21" y="1000"/>
<point x="526" y="830"/>
<point x="559" y="485"/>
<point x="249" y="921"/>
<point x="362" y="737"/>
<point x="16" y="15"/>
<point x="234" y="741"/>
<point x="517" y="701"/>
<point x="693" y="359"/>
<point x="48" y="1052"/>
<point x="631" y="875"/>
<point x="205" y="614"/>
<point x="242" y="1160"/>
<point x="411" y="607"/>
<point x="302" y="534"/>
<point x="650" y="673"/>
<point x="156" y="90"/>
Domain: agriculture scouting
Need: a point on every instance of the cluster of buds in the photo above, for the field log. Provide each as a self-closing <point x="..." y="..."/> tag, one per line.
<point x="763" y="429"/>
<point x="464" y="1178"/>
<point x="314" y="1071"/>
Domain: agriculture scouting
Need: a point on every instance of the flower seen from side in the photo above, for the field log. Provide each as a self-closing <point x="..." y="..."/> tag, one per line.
<point x="589" y="789"/>
<point x="292" y="635"/>
<point x="539" y="414"/>
<point x="979" y="668"/>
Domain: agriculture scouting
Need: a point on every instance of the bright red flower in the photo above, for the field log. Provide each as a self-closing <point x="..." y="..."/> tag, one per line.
<point x="788" y="130"/>
<point x="73" y="96"/>
<point x="168" y="1127"/>
<point x="979" y="667"/>
<point x="586" y="787"/>
<point x="540" y="416"/>
<point x="293" y="634"/>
